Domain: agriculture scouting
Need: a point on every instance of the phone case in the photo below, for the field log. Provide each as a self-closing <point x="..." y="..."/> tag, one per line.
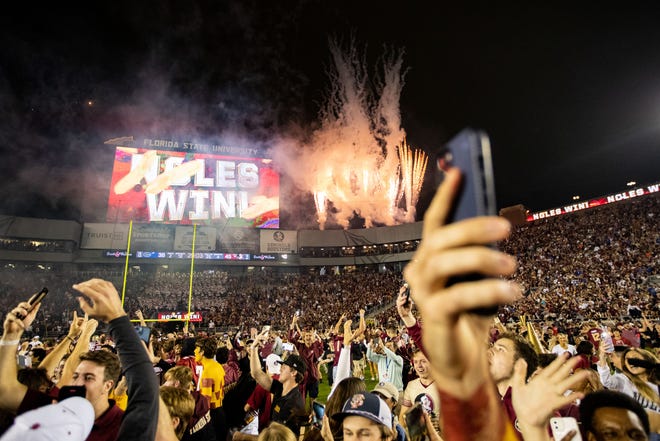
<point x="416" y="424"/>
<point x="561" y="426"/>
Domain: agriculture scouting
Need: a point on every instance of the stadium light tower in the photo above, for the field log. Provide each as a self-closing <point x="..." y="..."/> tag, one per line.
<point x="631" y="183"/>
<point x="576" y="197"/>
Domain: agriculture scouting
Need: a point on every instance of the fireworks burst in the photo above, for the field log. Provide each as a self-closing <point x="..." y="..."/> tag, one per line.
<point x="358" y="161"/>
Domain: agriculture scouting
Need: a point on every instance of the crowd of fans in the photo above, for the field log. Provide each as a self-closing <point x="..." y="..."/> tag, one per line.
<point x="599" y="264"/>
<point x="584" y="276"/>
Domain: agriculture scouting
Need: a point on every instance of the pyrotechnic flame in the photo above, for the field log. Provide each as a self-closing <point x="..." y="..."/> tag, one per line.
<point x="413" y="167"/>
<point x="319" y="201"/>
<point x="358" y="160"/>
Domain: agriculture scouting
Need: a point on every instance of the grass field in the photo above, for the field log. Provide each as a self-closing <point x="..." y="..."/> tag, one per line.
<point x="324" y="389"/>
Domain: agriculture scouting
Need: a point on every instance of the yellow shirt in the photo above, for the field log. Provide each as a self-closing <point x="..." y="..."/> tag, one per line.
<point x="120" y="400"/>
<point x="212" y="382"/>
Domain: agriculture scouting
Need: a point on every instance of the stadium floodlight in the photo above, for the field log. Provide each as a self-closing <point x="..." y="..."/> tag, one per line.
<point x="576" y="197"/>
<point x="631" y="183"/>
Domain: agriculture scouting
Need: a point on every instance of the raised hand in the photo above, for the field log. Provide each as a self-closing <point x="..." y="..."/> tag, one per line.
<point x="452" y="250"/>
<point x="105" y="302"/>
<point x="18" y="319"/>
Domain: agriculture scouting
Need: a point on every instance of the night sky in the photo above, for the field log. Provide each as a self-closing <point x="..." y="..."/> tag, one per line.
<point x="569" y="94"/>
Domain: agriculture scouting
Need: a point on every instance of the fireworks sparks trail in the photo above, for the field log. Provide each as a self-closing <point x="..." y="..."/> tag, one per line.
<point x="358" y="161"/>
<point x="413" y="167"/>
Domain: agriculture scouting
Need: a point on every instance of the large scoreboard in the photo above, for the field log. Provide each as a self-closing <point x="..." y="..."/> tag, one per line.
<point x="185" y="183"/>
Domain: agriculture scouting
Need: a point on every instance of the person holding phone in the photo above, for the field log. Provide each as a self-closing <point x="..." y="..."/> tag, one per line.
<point x="390" y="364"/>
<point x="452" y="334"/>
<point x="310" y="348"/>
<point x="455" y="329"/>
<point x="287" y="402"/>
<point x="99" y="299"/>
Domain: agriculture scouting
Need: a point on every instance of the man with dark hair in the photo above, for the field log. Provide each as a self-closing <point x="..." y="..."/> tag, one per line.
<point x="211" y="381"/>
<point x="97" y="372"/>
<point x="502" y="357"/>
<point x="612" y="416"/>
<point x="212" y="378"/>
<point x="310" y="347"/>
<point x="288" y="404"/>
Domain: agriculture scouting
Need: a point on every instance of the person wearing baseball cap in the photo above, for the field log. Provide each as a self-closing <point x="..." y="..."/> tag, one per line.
<point x="69" y="420"/>
<point x="388" y="392"/>
<point x="366" y="417"/>
<point x="295" y="362"/>
<point x="288" y="404"/>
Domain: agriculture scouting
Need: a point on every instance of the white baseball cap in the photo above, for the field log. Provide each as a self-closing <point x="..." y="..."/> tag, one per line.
<point x="69" y="420"/>
<point x="273" y="364"/>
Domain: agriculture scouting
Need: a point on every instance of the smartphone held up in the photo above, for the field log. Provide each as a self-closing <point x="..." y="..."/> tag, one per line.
<point x="416" y="424"/>
<point x="34" y="301"/>
<point x="470" y="152"/>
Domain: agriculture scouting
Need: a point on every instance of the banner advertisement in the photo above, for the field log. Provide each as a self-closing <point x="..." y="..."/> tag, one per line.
<point x="204" y="239"/>
<point x="280" y="241"/>
<point x="152" y="236"/>
<point x="178" y="315"/>
<point x="182" y="187"/>
<point x="617" y="197"/>
<point x="238" y="240"/>
<point x="97" y="236"/>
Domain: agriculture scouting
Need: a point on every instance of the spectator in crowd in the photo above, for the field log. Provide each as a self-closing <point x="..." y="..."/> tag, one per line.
<point x="97" y="371"/>
<point x="70" y="419"/>
<point x="343" y="390"/>
<point x="365" y="417"/>
<point x="389" y="394"/>
<point x="422" y="390"/>
<point x="180" y="405"/>
<point x="260" y="400"/>
<point x="502" y="357"/>
<point x="390" y="365"/>
<point x="585" y="352"/>
<point x="613" y="415"/>
<point x="200" y="427"/>
<point x="187" y="357"/>
<point x="288" y="405"/>
<point x="563" y="346"/>
<point x="311" y="350"/>
<point x="633" y="380"/>
<point x="211" y="380"/>
<point x="276" y="432"/>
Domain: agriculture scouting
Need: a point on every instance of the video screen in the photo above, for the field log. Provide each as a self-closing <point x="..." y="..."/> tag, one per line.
<point x="184" y="188"/>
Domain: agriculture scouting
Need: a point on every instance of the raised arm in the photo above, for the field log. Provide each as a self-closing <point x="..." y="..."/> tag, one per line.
<point x="82" y="345"/>
<point x="404" y="307"/>
<point x="54" y="357"/>
<point x="362" y="325"/>
<point x="398" y="360"/>
<point x="11" y="391"/>
<point x="335" y="329"/>
<point x="454" y="337"/>
<point x="143" y="396"/>
<point x="536" y="401"/>
<point x="262" y="378"/>
<point x="140" y="317"/>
